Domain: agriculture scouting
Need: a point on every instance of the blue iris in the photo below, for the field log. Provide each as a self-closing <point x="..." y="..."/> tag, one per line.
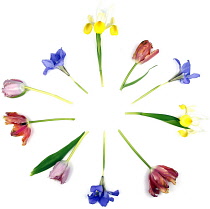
<point x="56" y="60"/>
<point x="184" y="74"/>
<point x="99" y="194"/>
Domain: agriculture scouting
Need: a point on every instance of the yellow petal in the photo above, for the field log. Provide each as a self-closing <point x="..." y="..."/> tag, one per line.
<point x="185" y="120"/>
<point x="183" y="133"/>
<point x="99" y="27"/>
<point x="183" y="107"/>
<point x="88" y="28"/>
<point x="114" y="30"/>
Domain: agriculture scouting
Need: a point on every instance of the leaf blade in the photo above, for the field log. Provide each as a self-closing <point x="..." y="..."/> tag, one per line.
<point x="52" y="159"/>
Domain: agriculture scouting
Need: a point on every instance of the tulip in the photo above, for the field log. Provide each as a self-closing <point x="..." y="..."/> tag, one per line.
<point x="21" y="125"/>
<point x="13" y="88"/>
<point x="143" y="52"/>
<point x="60" y="171"/>
<point x="159" y="178"/>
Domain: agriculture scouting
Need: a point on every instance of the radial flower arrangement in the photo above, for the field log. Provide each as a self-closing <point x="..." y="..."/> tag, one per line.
<point x="160" y="176"/>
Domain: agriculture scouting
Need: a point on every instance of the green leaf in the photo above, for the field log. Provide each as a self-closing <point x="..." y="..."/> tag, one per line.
<point x="51" y="160"/>
<point x="137" y="80"/>
<point x="165" y="118"/>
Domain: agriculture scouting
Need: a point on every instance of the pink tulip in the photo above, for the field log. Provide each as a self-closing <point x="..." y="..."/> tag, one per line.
<point x="60" y="171"/>
<point x="13" y="88"/>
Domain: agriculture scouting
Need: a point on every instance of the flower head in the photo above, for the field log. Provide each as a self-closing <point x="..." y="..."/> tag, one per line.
<point x="13" y="88"/>
<point x="159" y="178"/>
<point x="189" y="120"/>
<point x="101" y="195"/>
<point x="56" y="61"/>
<point x="101" y="24"/>
<point x="184" y="73"/>
<point x="21" y="125"/>
<point x="60" y="171"/>
<point x="144" y="52"/>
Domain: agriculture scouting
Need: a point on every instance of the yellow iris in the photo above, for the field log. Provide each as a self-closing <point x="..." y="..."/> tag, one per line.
<point x="185" y="120"/>
<point x="99" y="27"/>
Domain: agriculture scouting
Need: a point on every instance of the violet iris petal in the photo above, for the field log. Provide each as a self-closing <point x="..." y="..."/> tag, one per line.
<point x="56" y="60"/>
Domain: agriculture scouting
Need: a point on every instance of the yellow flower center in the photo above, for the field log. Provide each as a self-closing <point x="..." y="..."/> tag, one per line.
<point x="114" y="30"/>
<point x="99" y="27"/>
<point x="88" y="28"/>
<point x="185" y="120"/>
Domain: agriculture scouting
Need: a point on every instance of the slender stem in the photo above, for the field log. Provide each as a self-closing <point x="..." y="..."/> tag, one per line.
<point x="99" y="54"/>
<point x="47" y="93"/>
<point x="144" y="95"/>
<point x="130" y="145"/>
<point x="76" y="146"/>
<point x="104" y="152"/>
<point x="78" y="85"/>
<point x="126" y="78"/>
<point x="54" y="119"/>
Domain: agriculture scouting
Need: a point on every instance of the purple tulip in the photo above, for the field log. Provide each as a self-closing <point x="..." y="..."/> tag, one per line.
<point x="60" y="171"/>
<point x="13" y="88"/>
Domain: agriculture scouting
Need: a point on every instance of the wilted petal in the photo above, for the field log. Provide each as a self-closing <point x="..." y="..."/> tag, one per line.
<point x="14" y="118"/>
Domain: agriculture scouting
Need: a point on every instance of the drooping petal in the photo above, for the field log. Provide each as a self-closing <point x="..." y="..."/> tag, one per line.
<point x="115" y="193"/>
<point x="185" y="80"/>
<point x="148" y="57"/>
<point x="194" y="75"/>
<point x="88" y="28"/>
<point x="153" y="190"/>
<point x="48" y="64"/>
<point x="93" y="198"/>
<point x="104" y="200"/>
<point x="113" y="30"/>
<point x="26" y="136"/>
<point x="170" y="170"/>
<point x="14" y="118"/>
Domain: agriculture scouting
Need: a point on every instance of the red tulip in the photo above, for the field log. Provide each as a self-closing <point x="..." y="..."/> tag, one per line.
<point x="159" y="178"/>
<point x="21" y="125"/>
<point x="144" y="52"/>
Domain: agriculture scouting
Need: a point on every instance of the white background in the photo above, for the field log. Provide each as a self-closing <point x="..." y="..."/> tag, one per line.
<point x="31" y="30"/>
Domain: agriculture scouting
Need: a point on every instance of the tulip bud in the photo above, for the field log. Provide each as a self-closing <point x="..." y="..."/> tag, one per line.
<point x="60" y="171"/>
<point x="143" y="52"/>
<point x="13" y="88"/>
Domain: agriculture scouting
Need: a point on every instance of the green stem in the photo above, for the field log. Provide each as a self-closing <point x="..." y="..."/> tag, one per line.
<point x="99" y="54"/>
<point x="47" y="93"/>
<point x="76" y="146"/>
<point x="130" y="145"/>
<point x="78" y="85"/>
<point x="144" y="95"/>
<point x="126" y="78"/>
<point x="104" y="152"/>
<point x="54" y="119"/>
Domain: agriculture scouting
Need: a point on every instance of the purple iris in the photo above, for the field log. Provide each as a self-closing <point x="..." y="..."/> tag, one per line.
<point x="99" y="194"/>
<point x="184" y="74"/>
<point x="56" y="61"/>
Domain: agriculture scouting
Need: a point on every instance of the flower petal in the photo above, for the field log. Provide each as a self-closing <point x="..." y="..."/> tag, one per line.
<point x="48" y="64"/>
<point x="178" y="63"/>
<point x="194" y="75"/>
<point x="93" y="198"/>
<point x="115" y="193"/>
<point x="96" y="188"/>
<point x="186" y="67"/>
<point x="104" y="200"/>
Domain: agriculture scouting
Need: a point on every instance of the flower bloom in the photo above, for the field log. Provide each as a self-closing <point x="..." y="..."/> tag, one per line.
<point x="56" y="61"/>
<point x="144" y="52"/>
<point x="99" y="194"/>
<point x="159" y="178"/>
<point x="190" y="121"/>
<point x="60" y="171"/>
<point x="21" y="125"/>
<point x="184" y="73"/>
<point x="13" y="88"/>
<point x="101" y="24"/>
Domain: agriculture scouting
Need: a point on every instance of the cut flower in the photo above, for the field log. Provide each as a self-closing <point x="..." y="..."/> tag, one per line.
<point x="101" y="24"/>
<point x="21" y="125"/>
<point x="101" y="195"/>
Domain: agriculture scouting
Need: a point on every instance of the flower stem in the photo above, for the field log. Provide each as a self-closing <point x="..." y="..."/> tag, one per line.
<point x="54" y="119"/>
<point x="126" y="78"/>
<point x="104" y="152"/>
<point x="144" y="95"/>
<point x="78" y="85"/>
<point x="130" y="145"/>
<point x="99" y="54"/>
<point x="76" y="146"/>
<point x="47" y="93"/>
